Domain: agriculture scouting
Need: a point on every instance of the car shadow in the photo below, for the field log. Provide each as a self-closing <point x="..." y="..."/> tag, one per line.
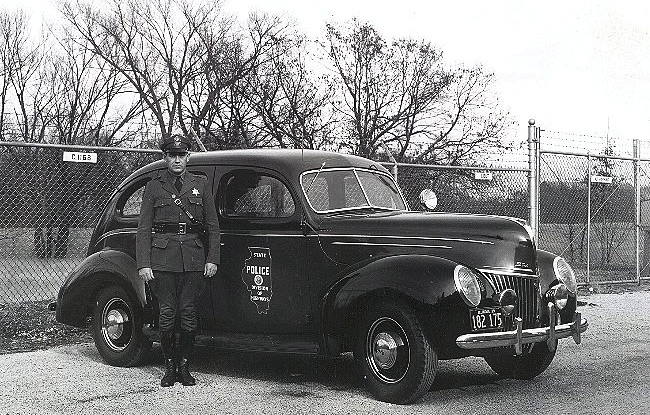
<point x="335" y="373"/>
<point x="294" y="371"/>
<point x="461" y="374"/>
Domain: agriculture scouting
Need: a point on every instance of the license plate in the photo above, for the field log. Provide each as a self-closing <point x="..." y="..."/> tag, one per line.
<point x="483" y="319"/>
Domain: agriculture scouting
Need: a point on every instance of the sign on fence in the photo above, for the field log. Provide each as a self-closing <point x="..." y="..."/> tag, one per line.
<point x="601" y="179"/>
<point x="483" y="175"/>
<point x="78" y="157"/>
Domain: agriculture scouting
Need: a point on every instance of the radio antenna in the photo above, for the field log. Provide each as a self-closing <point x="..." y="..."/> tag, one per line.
<point x="197" y="139"/>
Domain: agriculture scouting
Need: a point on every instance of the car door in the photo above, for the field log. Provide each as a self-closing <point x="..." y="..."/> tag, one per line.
<point x="121" y="230"/>
<point x="262" y="285"/>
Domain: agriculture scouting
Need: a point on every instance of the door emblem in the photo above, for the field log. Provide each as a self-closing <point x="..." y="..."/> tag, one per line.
<point x="256" y="275"/>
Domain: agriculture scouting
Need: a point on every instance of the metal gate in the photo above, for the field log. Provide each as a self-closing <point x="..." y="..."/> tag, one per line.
<point x="591" y="210"/>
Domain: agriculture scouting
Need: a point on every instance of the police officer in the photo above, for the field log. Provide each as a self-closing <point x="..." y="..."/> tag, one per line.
<point x="177" y="219"/>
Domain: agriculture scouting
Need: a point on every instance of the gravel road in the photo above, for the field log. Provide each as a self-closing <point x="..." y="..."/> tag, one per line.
<point x="608" y="374"/>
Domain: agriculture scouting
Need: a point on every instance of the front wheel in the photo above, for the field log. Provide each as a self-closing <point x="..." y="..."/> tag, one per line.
<point x="117" y="328"/>
<point x="393" y="353"/>
<point x="525" y="366"/>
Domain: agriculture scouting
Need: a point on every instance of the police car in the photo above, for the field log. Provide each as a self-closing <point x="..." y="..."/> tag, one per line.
<point x="321" y="255"/>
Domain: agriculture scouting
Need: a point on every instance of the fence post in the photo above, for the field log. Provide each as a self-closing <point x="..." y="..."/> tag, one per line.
<point x="533" y="189"/>
<point x="588" y="217"/>
<point x="637" y="204"/>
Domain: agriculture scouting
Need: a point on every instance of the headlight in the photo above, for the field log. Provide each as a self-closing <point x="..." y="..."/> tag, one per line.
<point x="565" y="274"/>
<point x="467" y="285"/>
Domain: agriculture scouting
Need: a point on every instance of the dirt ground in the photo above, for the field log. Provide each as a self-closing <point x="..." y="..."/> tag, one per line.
<point x="606" y="374"/>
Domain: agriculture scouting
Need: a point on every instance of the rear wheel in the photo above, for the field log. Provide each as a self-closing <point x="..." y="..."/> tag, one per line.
<point x="117" y="328"/>
<point x="394" y="356"/>
<point x="525" y="366"/>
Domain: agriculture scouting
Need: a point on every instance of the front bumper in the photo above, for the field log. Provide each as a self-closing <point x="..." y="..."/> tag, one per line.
<point x="519" y="336"/>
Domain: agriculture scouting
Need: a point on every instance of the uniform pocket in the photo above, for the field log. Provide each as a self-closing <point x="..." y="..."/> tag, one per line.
<point x="196" y="207"/>
<point x="162" y="210"/>
<point x="160" y="243"/>
<point x="195" y="200"/>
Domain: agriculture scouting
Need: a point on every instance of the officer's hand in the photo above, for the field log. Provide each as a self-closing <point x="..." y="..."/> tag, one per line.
<point x="210" y="269"/>
<point x="146" y="274"/>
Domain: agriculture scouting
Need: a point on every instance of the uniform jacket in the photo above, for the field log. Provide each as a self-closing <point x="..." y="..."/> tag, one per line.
<point x="170" y="251"/>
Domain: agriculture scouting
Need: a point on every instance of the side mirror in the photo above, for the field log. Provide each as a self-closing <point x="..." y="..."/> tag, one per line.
<point x="428" y="199"/>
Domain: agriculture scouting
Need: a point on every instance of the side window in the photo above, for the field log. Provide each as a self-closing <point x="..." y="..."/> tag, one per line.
<point x="252" y="194"/>
<point x="132" y="197"/>
<point x="133" y="203"/>
<point x="319" y="193"/>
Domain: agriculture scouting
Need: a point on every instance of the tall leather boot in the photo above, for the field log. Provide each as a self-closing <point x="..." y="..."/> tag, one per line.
<point x="185" y="343"/>
<point x="167" y="345"/>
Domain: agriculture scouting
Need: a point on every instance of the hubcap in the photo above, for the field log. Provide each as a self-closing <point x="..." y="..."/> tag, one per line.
<point x="116" y="324"/>
<point x="387" y="350"/>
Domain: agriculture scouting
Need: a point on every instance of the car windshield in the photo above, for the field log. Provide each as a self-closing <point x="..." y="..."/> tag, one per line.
<point x="330" y="190"/>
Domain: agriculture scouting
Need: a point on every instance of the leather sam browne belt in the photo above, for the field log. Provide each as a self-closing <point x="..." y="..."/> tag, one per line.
<point x="180" y="228"/>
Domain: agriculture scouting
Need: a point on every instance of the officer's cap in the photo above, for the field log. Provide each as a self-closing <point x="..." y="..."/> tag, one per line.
<point x="176" y="143"/>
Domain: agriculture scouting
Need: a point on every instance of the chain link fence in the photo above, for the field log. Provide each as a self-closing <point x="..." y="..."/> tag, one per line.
<point x="50" y="207"/>
<point x="48" y="211"/>
<point x="588" y="215"/>
<point x="493" y="191"/>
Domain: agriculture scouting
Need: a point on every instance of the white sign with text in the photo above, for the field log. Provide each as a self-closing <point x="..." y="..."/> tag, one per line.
<point x="77" y="157"/>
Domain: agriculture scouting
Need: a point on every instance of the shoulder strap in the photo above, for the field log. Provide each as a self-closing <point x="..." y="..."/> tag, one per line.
<point x="178" y="202"/>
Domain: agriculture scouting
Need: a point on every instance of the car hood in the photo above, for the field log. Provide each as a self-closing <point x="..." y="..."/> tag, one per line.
<point x="481" y="241"/>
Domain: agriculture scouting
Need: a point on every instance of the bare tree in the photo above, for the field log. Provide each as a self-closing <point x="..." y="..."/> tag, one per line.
<point x="291" y="102"/>
<point x="86" y="90"/>
<point x="153" y="44"/>
<point x="23" y="73"/>
<point x="359" y="55"/>
<point x="12" y="31"/>
<point x="219" y="104"/>
<point x="400" y="93"/>
<point x="465" y="121"/>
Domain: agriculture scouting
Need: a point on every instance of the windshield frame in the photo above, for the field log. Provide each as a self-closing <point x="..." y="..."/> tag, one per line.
<point x="355" y="170"/>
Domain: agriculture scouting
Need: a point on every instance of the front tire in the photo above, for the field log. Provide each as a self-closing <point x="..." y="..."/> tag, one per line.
<point x="394" y="355"/>
<point x="117" y="328"/>
<point x="525" y="366"/>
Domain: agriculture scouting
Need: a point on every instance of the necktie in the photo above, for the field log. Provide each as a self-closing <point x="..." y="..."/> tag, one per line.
<point x="178" y="184"/>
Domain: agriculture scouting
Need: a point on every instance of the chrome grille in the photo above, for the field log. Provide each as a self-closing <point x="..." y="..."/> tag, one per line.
<point x="527" y="294"/>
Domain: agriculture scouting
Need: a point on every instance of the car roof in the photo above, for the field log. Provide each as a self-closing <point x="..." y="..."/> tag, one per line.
<point x="290" y="162"/>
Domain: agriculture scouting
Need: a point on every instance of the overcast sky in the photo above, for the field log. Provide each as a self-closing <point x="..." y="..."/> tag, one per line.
<point x="577" y="67"/>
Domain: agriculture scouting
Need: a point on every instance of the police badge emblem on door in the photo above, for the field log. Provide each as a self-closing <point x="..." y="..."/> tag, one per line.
<point x="256" y="274"/>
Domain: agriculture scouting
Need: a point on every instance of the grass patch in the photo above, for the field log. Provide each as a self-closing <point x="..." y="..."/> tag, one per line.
<point x="30" y="326"/>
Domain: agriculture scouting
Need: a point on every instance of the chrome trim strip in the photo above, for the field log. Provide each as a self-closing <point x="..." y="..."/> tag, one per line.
<point x="116" y="232"/>
<point x="509" y="272"/>
<point x="418" y="238"/>
<point x="389" y="244"/>
<point x="288" y="235"/>
<point x="520" y="337"/>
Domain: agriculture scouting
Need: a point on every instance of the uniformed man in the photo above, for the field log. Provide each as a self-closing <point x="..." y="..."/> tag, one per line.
<point x="177" y="219"/>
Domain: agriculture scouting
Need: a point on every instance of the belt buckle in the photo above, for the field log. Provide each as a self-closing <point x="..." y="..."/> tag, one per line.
<point x="182" y="228"/>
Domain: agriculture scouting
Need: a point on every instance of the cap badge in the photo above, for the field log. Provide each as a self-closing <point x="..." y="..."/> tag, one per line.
<point x="195" y="191"/>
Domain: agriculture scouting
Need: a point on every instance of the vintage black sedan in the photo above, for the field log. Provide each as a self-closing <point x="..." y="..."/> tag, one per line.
<point x="321" y="255"/>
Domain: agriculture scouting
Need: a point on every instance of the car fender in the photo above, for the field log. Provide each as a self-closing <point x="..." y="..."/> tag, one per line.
<point x="76" y="296"/>
<point x="424" y="279"/>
